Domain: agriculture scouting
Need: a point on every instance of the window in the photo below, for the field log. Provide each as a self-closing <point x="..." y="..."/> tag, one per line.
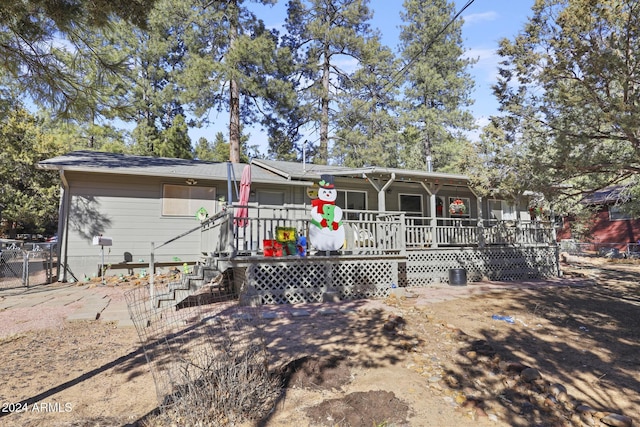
<point x="502" y="210"/>
<point x="352" y="200"/>
<point x="411" y="204"/>
<point x="270" y="198"/>
<point x="617" y="214"/>
<point x="508" y="211"/>
<point x="495" y="208"/>
<point x="558" y="222"/>
<point x="185" y="200"/>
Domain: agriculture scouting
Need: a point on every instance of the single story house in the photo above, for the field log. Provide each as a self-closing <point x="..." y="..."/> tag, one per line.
<point x="175" y="208"/>
<point x="610" y="226"/>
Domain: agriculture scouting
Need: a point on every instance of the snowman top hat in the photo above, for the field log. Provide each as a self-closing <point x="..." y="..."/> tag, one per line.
<point x="326" y="181"/>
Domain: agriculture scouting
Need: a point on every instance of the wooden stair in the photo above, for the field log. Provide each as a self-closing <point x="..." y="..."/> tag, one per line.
<point x="205" y="284"/>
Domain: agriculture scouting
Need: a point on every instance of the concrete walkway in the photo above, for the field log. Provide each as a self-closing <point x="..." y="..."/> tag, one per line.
<point x="82" y="302"/>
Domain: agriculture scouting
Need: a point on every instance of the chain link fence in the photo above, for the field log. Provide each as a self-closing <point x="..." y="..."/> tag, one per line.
<point x="208" y="360"/>
<point x="600" y="249"/>
<point x="26" y="264"/>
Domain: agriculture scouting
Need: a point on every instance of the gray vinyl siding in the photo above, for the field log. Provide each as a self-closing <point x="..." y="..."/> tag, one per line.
<point x="129" y="210"/>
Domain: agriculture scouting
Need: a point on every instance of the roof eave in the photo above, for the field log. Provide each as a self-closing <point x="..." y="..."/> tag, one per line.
<point x="271" y="169"/>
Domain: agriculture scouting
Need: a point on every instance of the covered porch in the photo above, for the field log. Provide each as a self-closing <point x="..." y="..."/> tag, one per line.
<point x="402" y="229"/>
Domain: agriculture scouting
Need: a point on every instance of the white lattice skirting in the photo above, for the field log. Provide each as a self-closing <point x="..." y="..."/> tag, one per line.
<point x="294" y="280"/>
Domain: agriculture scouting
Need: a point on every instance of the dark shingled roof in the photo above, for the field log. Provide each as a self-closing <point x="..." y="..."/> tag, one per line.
<point x="124" y="164"/>
<point x="607" y="196"/>
<point x="267" y="171"/>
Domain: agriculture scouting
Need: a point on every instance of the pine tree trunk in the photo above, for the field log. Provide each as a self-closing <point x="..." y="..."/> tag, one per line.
<point x="234" y="123"/>
<point x="234" y="101"/>
<point x="323" y="149"/>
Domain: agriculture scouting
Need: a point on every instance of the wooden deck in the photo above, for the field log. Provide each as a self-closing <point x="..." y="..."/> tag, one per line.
<point x="382" y="250"/>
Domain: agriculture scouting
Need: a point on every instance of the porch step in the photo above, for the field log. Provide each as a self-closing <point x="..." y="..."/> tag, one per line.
<point x="204" y="274"/>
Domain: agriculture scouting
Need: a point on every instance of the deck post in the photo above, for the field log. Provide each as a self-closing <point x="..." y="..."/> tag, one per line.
<point x="382" y="198"/>
<point x="402" y="239"/>
<point x="481" y="242"/>
<point x="433" y="224"/>
<point x="231" y="236"/>
<point x="434" y="220"/>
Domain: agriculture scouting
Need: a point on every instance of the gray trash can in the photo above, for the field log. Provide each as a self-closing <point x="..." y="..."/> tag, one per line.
<point x="457" y="277"/>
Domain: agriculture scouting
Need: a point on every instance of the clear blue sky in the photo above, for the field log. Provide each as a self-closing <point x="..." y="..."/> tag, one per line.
<point x="485" y="23"/>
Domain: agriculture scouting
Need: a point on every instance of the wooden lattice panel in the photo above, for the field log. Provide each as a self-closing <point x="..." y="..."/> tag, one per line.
<point x="508" y="264"/>
<point x="364" y="278"/>
<point x="307" y="279"/>
<point x="304" y="281"/>
<point x="289" y="283"/>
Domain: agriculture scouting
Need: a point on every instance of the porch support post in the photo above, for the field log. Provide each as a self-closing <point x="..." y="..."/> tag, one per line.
<point x="432" y="210"/>
<point x="402" y="239"/>
<point x="63" y="230"/>
<point x="480" y="224"/>
<point x="382" y="200"/>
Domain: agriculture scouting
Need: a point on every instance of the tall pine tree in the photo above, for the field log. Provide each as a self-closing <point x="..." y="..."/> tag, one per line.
<point x="570" y="94"/>
<point x="436" y="85"/>
<point x="367" y="125"/>
<point x="230" y="64"/>
<point x="321" y="34"/>
<point x="43" y="41"/>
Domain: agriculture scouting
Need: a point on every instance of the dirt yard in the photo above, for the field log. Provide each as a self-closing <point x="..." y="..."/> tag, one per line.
<point x="564" y="354"/>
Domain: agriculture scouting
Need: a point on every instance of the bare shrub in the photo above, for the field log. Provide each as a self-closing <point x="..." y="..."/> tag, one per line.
<point x="225" y="387"/>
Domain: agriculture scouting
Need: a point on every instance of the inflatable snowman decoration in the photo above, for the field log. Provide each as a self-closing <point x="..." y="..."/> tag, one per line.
<point x="326" y="232"/>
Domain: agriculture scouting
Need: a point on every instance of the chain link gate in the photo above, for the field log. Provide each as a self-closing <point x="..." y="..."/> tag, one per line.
<point x="26" y="264"/>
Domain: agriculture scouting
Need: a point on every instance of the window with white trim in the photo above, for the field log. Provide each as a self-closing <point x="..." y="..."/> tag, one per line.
<point x="502" y="210"/>
<point x="411" y="204"/>
<point x="185" y="200"/>
<point x="352" y="200"/>
<point x="495" y="209"/>
<point x="356" y="200"/>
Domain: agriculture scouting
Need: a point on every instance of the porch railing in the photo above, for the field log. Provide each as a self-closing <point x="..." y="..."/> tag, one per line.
<point x="231" y="234"/>
<point x="365" y="231"/>
<point x="518" y="232"/>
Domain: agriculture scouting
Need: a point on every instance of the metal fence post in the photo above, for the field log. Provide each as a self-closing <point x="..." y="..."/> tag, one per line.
<point x="50" y="265"/>
<point x="151" y="271"/>
<point x="25" y="268"/>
